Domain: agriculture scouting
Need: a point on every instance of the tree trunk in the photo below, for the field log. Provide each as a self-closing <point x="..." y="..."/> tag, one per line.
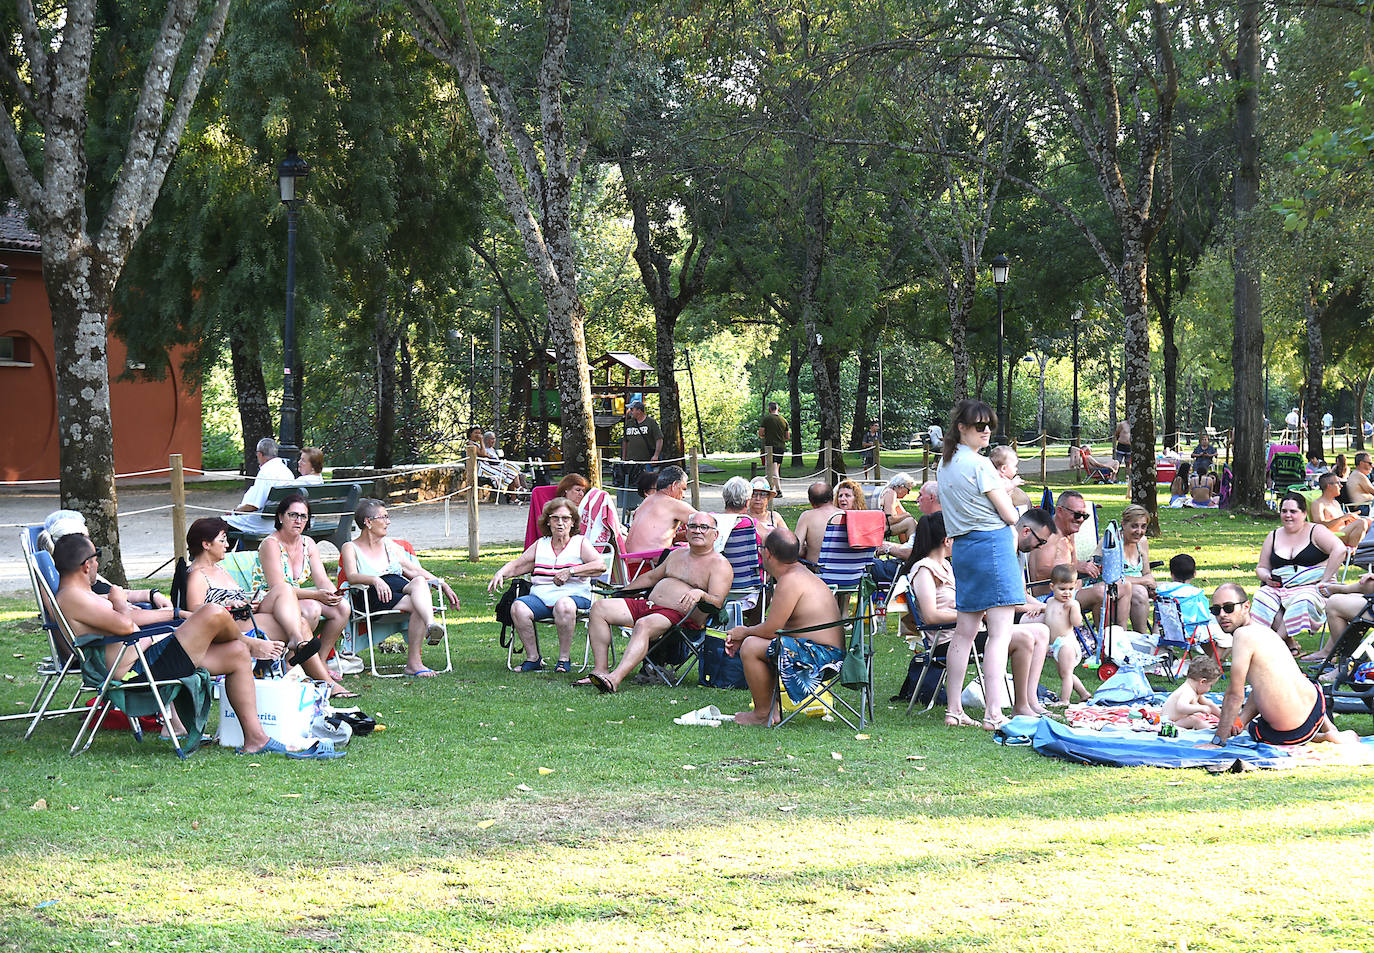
<point x="669" y="399"/>
<point x="817" y="350"/>
<point x="410" y="415"/>
<point x="1316" y="368"/>
<point x="1167" y="321"/>
<point x="250" y="391"/>
<point x="1361" y="392"/>
<point x="794" y="399"/>
<point x="385" y="338"/>
<point x="859" y="429"/>
<point x="86" y="438"/>
<point x="1247" y="345"/>
<point x="959" y="301"/>
<point x="1139" y="412"/>
<point x="567" y="335"/>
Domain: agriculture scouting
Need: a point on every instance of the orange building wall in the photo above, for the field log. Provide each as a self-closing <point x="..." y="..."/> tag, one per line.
<point x="151" y="418"/>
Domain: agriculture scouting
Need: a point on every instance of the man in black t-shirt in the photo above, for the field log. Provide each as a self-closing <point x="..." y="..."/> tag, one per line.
<point x="641" y="445"/>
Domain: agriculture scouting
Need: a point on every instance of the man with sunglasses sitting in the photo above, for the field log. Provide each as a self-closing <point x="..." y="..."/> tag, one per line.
<point x="1284" y="707"/>
<point x="1070" y="514"/>
<point x="686" y="579"/>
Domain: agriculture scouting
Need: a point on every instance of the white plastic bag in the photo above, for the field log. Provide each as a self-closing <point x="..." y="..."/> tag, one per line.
<point x="286" y="709"/>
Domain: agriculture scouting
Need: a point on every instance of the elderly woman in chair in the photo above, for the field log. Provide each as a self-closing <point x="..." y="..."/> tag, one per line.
<point x="393" y="579"/>
<point x="562" y="562"/>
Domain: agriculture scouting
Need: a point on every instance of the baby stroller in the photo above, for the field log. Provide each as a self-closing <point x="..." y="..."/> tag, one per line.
<point x="1347" y="672"/>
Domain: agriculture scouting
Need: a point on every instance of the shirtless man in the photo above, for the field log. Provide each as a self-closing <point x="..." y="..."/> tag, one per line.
<point x="1358" y="488"/>
<point x="687" y="577"/>
<point x="1284" y="708"/>
<point x="1328" y="511"/>
<point x="928" y="498"/>
<point x="208" y="639"/>
<point x="656" y="521"/>
<point x="811" y="524"/>
<point x="1069" y="514"/>
<point x="1121" y="452"/>
<point x="799" y="600"/>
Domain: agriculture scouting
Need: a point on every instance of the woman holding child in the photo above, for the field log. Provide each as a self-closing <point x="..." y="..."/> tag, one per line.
<point x="933" y="596"/>
<point x="979" y="515"/>
<point x="1295" y="560"/>
<point x="1135" y="564"/>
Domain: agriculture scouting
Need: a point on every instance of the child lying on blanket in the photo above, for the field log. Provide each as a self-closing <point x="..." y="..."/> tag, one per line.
<point x="1063" y="615"/>
<point x="1188" y="706"/>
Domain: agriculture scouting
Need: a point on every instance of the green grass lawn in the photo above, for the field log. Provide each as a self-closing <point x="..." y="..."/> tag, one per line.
<point x="514" y="812"/>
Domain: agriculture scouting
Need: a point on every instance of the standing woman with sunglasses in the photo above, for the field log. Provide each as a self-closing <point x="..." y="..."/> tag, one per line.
<point x="979" y="516"/>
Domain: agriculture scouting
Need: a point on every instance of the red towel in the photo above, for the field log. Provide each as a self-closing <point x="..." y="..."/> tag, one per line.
<point x="865" y="528"/>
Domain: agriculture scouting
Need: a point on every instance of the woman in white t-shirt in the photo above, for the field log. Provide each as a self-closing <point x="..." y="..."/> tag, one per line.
<point x="978" y="516"/>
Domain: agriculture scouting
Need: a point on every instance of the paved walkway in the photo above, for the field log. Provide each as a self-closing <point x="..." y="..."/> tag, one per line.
<point x="146" y="537"/>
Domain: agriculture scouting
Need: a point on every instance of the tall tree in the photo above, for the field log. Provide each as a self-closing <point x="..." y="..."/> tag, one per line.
<point x="67" y="70"/>
<point x="535" y="168"/>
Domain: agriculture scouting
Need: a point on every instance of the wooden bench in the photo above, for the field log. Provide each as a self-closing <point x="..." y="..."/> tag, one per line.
<point x="331" y="509"/>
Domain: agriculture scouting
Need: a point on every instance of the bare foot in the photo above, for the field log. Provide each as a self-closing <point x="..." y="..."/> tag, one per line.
<point x="265" y="648"/>
<point x="1059" y="704"/>
<point x="754" y="718"/>
<point x="1028" y="711"/>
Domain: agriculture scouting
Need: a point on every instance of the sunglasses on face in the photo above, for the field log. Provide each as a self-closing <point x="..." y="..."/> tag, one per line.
<point x="1079" y="515"/>
<point x="983" y="425"/>
<point x="1225" y="607"/>
<point x="94" y="555"/>
<point x="1038" y="541"/>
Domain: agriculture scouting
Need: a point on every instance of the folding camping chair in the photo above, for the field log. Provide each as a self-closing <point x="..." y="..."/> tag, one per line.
<point x="61" y="661"/>
<point x="933" y="654"/>
<point x="1096" y="474"/>
<point x="853" y="673"/>
<point x="369" y="626"/>
<point x="741" y="548"/>
<point x="1287" y="471"/>
<point x="843" y="567"/>
<point x="1180" y="632"/>
<point x="515" y="647"/>
<point x="1350" y="661"/>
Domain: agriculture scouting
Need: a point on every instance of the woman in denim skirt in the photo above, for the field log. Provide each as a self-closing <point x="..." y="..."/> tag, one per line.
<point x="989" y="583"/>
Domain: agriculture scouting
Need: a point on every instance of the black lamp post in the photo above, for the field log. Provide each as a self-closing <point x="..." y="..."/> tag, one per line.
<point x="1076" y="433"/>
<point x="293" y="167"/>
<point x="1000" y="267"/>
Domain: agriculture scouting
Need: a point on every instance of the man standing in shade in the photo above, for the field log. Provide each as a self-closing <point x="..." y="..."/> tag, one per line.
<point x="640" y="448"/>
<point x="773" y="433"/>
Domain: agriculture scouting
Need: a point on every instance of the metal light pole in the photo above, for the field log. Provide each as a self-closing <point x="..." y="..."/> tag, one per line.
<point x="1077" y="441"/>
<point x="1000" y="268"/>
<point x="293" y="167"/>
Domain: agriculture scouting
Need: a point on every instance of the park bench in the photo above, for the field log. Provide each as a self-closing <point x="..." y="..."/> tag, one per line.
<point x="331" y="509"/>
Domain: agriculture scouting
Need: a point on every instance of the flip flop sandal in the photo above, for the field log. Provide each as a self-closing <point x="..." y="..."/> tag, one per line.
<point x="435" y="634"/>
<point x="305" y="652"/>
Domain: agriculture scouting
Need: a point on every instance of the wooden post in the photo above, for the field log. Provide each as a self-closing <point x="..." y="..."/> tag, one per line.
<point x="1044" y="445"/>
<point x="925" y="463"/>
<point x="828" y="463"/>
<point x="595" y="475"/>
<point x="448" y="532"/>
<point x="474" y="546"/>
<point x="178" y="506"/>
<point x="695" y="477"/>
<point x="877" y="462"/>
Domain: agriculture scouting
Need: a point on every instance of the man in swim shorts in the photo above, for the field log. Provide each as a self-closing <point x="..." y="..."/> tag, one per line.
<point x="1284" y="707"/>
<point x="799" y="600"/>
<point x="676" y="586"/>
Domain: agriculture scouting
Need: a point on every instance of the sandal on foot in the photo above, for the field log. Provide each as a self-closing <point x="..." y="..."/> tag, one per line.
<point x="958" y="720"/>
<point x="305" y="652"/>
<point x="435" y="634"/>
<point x="319" y="751"/>
<point x="583" y="683"/>
<point x="422" y="673"/>
<point x="343" y="693"/>
<point x="992" y="724"/>
<point x="531" y="665"/>
<point x="603" y="683"/>
<point x="563" y="666"/>
<point x="273" y="746"/>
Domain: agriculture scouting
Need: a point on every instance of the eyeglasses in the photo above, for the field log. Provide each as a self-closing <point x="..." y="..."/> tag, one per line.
<point x="564" y="518"/>
<point x="700" y="527"/>
<point x="1038" y="541"/>
<point x="1225" y="607"/>
<point x="1079" y="515"/>
<point x="94" y="555"/>
<point x="384" y="518"/>
<point x="761" y="493"/>
<point x="983" y="425"/>
<point x="295" y="515"/>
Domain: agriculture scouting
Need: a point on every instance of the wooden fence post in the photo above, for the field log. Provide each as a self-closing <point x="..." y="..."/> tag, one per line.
<point x="178" y="506"/>
<point x="877" y="462"/>
<point x="1044" y="444"/>
<point x="925" y="463"/>
<point x="595" y="475"/>
<point x="695" y="474"/>
<point x="474" y="546"/>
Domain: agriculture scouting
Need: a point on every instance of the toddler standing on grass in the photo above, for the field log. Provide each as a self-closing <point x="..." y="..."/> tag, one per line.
<point x="1063" y="615"/>
<point x="1188" y="706"/>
